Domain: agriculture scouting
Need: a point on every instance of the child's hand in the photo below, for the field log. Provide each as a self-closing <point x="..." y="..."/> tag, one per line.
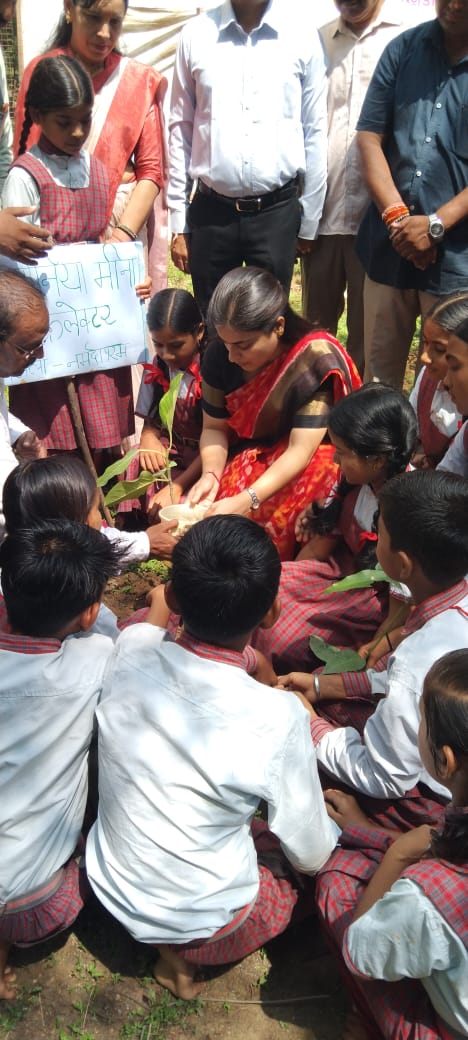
<point x="163" y="498"/>
<point x="301" y="681"/>
<point x="161" y="539"/>
<point x="143" y="290"/>
<point x="28" y="446"/>
<point x="302" y="530"/>
<point x="159" y="612"/>
<point x="344" y="809"/>
<point x="152" y="452"/>
<point x="411" y="847"/>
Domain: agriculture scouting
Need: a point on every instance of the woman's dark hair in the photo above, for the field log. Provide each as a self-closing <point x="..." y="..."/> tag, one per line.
<point x="450" y="311"/>
<point x="374" y="420"/>
<point x="461" y="331"/>
<point x="175" y="309"/>
<point x="252" y="299"/>
<point x="445" y="702"/>
<point x="55" y="83"/>
<point x="63" y="31"/>
<point x="59" y="487"/>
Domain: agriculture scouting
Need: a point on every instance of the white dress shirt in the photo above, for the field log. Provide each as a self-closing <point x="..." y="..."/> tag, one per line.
<point x="351" y="62"/>
<point x="385" y="762"/>
<point x="248" y="110"/>
<point x="403" y="936"/>
<point x="187" y="748"/>
<point x="6" y="129"/>
<point x="47" y="704"/>
<point x="10" y="429"/>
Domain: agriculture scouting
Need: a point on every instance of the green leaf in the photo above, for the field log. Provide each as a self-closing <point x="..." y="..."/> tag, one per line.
<point x="168" y="402"/>
<point x="126" y="489"/>
<point x="116" y="468"/>
<point x="359" y="580"/>
<point x="336" y="659"/>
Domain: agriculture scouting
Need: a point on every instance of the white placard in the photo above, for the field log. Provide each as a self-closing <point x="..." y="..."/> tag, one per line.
<point x="96" y="320"/>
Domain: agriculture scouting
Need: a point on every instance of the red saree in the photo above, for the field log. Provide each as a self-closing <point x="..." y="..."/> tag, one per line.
<point x="261" y="406"/>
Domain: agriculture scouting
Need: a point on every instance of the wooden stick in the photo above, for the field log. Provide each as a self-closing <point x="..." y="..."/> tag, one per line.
<point x="77" y="419"/>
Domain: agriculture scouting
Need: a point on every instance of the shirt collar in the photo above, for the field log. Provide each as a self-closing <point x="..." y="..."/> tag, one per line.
<point x="18" y="644"/>
<point x="213" y="653"/>
<point x="388" y="15"/>
<point x="270" y="16"/>
<point x="429" y="608"/>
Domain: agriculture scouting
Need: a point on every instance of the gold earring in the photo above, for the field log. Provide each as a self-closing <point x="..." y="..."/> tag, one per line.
<point x="68" y="18"/>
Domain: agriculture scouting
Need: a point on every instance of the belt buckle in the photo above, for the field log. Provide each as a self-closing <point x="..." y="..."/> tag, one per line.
<point x="249" y="205"/>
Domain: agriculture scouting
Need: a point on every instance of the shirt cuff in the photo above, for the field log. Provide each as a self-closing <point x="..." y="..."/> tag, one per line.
<point x="357" y="683"/>
<point x="319" y="728"/>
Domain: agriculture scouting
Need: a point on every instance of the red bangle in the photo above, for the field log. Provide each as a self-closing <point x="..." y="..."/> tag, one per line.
<point x="211" y="473"/>
<point x="394" y="213"/>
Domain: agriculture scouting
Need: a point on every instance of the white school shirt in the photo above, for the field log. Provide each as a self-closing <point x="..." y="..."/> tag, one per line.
<point x="68" y="171"/>
<point x="351" y="62"/>
<point x="455" y="459"/>
<point x="443" y="413"/>
<point x="385" y="762"/>
<point x="10" y="429"/>
<point x="248" y="110"/>
<point x="47" y="704"/>
<point x="404" y="936"/>
<point x="187" y="748"/>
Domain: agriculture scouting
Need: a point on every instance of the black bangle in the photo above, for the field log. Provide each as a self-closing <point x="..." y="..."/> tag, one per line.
<point x="388" y="641"/>
<point x="127" y="231"/>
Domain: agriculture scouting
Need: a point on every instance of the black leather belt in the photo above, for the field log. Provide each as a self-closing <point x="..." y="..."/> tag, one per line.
<point x="253" y="203"/>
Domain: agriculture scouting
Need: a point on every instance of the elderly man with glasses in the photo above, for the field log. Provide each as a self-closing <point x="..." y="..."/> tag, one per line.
<point x="24" y="323"/>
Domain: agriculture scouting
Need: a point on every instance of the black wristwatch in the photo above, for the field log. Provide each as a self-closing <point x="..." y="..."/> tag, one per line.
<point x="436" y="227"/>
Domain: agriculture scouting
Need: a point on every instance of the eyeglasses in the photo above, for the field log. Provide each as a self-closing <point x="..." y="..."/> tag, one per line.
<point x="27" y="354"/>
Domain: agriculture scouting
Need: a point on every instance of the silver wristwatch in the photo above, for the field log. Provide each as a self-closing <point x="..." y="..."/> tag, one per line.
<point x="255" y="500"/>
<point x="436" y="227"/>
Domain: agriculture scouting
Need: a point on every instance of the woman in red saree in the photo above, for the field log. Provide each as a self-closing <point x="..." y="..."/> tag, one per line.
<point x="127" y="136"/>
<point x="269" y="383"/>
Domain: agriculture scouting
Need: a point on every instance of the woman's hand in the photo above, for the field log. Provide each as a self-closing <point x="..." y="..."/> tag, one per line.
<point x="205" y="490"/>
<point x="28" y="446"/>
<point x="240" y="504"/>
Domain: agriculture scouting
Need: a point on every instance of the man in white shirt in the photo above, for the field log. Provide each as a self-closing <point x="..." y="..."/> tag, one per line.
<point x="353" y="44"/>
<point x="188" y="746"/>
<point x="248" y="125"/>
<point x="24" y="323"/>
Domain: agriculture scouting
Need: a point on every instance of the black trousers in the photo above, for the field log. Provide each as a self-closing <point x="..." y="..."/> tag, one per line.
<point x="222" y="238"/>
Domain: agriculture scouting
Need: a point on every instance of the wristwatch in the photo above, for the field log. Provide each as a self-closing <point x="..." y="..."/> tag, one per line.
<point x="255" y="500"/>
<point x="436" y="227"/>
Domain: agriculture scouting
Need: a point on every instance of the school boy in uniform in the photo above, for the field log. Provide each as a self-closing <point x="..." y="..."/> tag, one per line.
<point x="189" y="744"/>
<point x="51" y="673"/>
<point x="423" y="543"/>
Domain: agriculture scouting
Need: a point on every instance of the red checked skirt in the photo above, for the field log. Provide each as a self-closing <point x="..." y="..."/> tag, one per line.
<point x="269" y="915"/>
<point x="106" y="404"/>
<point x="29" y="920"/>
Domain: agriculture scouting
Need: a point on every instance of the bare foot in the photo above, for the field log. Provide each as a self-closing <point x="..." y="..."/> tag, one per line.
<point x="355" y="1027"/>
<point x="7" y="985"/>
<point x="176" y="975"/>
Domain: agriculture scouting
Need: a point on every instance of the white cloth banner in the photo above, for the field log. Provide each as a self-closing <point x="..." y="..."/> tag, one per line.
<point x="96" y="319"/>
